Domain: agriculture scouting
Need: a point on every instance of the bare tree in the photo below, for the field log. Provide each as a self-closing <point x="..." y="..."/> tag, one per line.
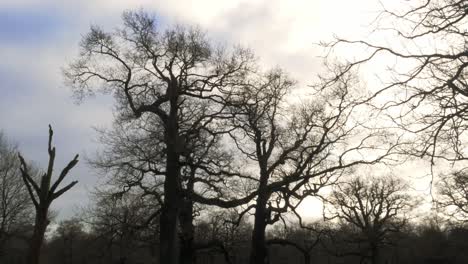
<point x="219" y="233"/>
<point x="15" y="206"/>
<point x="133" y="161"/>
<point x="376" y="207"/>
<point x="123" y="221"/>
<point x="154" y="73"/>
<point x="292" y="150"/>
<point x="452" y="196"/>
<point x="42" y="194"/>
<point x="304" y="240"/>
<point x="70" y="233"/>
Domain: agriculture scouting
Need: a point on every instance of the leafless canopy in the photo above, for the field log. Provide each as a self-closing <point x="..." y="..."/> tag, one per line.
<point x="426" y="76"/>
<point x="15" y="206"/>
<point x="176" y="83"/>
<point x="376" y="207"/>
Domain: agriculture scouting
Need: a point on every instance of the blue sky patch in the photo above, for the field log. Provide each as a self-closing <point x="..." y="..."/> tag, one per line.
<point x="25" y="26"/>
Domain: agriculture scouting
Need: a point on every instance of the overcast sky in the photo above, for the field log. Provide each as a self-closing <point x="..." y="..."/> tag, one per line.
<point x="39" y="37"/>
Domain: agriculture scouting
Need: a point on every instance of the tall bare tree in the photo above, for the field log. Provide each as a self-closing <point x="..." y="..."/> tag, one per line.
<point x="132" y="159"/>
<point x="155" y="73"/>
<point x="291" y="150"/>
<point x="42" y="194"/>
<point x="376" y="207"/>
<point x="15" y="206"/>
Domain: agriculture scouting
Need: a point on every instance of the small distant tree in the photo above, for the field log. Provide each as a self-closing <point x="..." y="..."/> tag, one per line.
<point x="42" y="194"/>
<point x="452" y="196"/>
<point x="123" y="222"/>
<point x="375" y="207"/>
<point x="433" y="244"/>
<point x="70" y="235"/>
<point x="219" y="234"/>
<point x="15" y="207"/>
<point x="304" y="240"/>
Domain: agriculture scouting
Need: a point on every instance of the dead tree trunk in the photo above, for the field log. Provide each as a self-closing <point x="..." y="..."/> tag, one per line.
<point x="42" y="195"/>
<point x="37" y="238"/>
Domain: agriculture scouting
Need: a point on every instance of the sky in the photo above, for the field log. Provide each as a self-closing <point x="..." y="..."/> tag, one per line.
<point x="39" y="37"/>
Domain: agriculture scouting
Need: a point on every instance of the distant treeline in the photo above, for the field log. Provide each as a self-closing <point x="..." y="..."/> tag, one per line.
<point x="221" y="243"/>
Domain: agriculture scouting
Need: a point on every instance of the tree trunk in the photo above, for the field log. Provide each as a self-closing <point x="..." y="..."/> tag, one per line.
<point x="3" y="235"/>
<point x="2" y="243"/>
<point x="259" y="253"/>
<point x="375" y="254"/>
<point x="37" y="239"/>
<point x="307" y="258"/>
<point x="169" y="215"/>
<point x="169" y="251"/>
<point x="187" y="252"/>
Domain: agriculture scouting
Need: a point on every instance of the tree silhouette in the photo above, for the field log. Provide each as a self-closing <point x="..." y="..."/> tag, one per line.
<point x="290" y="150"/>
<point x="132" y="159"/>
<point x="42" y="194"/>
<point x="163" y="75"/>
<point x="376" y="207"/>
<point x="452" y="196"/>
<point x="304" y="240"/>
<point x="123" y="220"/>
<point x="15" y="207"/>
